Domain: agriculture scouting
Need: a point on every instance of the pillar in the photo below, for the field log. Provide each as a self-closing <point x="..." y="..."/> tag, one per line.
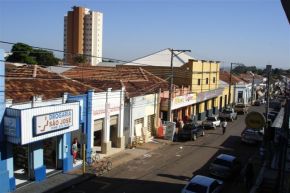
<point x="106" y="143"/>
<point x="66" y="153"/>
<point x="4" y="173"/>
<point x="38" y="169"/>
<point x="89" y="130"/>
<point x="121" y="137"/>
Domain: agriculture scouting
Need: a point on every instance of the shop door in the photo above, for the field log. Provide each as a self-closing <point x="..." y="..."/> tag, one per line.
<point x="98" y="131"/>
<point x="114" y="130"/>
<point x="50" y="154"/>
<point x="21" y="164"/>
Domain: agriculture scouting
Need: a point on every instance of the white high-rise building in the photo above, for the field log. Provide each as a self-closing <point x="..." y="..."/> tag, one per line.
<point x="83" y="34"/>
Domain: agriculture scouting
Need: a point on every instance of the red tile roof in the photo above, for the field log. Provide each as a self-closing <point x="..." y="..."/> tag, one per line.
<point x="136" y="80"/>
<point x="21" y="86"/>
<point x="225" y="76"/>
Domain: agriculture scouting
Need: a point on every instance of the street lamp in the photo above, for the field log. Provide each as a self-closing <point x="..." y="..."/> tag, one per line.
<point x="230" y="84"/>
<point x="171" y="81"/>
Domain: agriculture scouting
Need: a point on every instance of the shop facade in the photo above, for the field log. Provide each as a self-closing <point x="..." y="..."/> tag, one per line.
<point x="38" y="139"/>
<point x="140" y="117"/>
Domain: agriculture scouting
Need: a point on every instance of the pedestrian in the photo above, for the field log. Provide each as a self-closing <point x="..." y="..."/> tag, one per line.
<point x="249" y="175"/>
<point x="224" y="126"/>
<point x="75" y="149"/>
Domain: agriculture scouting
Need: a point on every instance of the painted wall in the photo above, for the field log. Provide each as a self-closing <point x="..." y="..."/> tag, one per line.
<point x="4" y="174"/>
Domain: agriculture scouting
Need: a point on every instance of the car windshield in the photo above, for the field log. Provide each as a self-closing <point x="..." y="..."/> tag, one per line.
<point x="193" y="187"/>
<point x="222" y="162"/>
<point x="211" y="119"/>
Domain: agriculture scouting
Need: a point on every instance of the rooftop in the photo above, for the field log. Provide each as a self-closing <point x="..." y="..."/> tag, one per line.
<point x="225" y="76"/>
<point x="24" y="82"/>
<point x="136" y="80"/>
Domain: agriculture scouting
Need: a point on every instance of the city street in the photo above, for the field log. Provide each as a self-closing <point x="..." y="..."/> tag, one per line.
<point x="168" y="169"/>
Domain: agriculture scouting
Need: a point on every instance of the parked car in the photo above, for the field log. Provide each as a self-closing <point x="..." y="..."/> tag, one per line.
<point x="190" y="131"/>
<point x="203" y="184"/>
<point x="257" y="103"/>
<point x="252" y="136"/>
<point x="241" y="108"/>
<point x="228" y="113"/>
<point x="211" y="122"/>
<point x="225" y="166"/>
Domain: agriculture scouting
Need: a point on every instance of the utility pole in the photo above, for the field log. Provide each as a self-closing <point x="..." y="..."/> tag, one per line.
<point x="230" y="84"/>
<point x="171" y="82"/>
<point x="267" y="127"/>
<point x="252" y="97"/>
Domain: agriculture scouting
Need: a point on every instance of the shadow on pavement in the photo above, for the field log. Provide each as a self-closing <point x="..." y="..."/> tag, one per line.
<point x="184" y="178"/>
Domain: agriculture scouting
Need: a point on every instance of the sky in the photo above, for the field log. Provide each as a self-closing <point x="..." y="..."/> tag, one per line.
<point x="252" y="32"/>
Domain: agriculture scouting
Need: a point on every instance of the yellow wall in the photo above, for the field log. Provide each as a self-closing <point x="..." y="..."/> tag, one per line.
<point x="226" y="93"/>
<point x="203" y="71"/>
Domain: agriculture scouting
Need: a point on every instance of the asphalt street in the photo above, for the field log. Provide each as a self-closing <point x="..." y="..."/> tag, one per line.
<point x="169" y="168"/>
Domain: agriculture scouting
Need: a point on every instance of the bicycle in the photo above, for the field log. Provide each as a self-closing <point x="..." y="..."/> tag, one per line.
<point x="94" y="157"/>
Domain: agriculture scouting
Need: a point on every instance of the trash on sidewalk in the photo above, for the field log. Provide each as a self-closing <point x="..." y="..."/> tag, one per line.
<point x="147" y="155"/>
<point x="180" y="147"/>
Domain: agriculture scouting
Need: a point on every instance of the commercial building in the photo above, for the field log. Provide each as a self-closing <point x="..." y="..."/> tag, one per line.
<point x="200" y="76"/>
<point x="141" y="90"/>
<point x="83" y="34"/>
<point x="38" y="124"/>
<point x="242" y="90"/>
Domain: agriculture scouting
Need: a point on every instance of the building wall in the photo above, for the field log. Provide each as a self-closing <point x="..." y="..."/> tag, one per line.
<point x="83" y="34"/>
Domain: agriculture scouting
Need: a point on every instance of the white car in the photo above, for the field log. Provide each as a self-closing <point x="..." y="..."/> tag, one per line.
<point x="211" y="122"/>
<point x="203" y="184"/>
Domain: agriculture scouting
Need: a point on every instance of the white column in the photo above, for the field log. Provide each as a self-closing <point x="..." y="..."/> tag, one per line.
<point x="121" y="114"/>
<point x="106" y="137"/>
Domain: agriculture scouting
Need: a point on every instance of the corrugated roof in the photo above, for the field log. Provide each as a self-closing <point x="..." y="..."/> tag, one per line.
<point x="21" y="86"/>
<point x="161" y="58"/>
<point x="136" y="80"/>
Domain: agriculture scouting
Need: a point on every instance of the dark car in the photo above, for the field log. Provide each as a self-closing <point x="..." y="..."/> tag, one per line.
<point x="257" y="103"/>
<point x="191" y="131"/>
<point x="225" y="166"/>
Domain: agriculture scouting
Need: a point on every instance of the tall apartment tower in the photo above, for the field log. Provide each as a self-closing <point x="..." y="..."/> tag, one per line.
<point x="83" y="34"/>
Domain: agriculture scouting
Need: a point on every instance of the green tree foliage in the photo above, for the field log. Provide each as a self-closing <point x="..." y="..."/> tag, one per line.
<point x="80" y="59"/>
<point x="21" y="53"/>
<point x="24" y="53"/>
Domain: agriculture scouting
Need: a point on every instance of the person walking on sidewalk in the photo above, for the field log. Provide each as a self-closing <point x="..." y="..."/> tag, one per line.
<point x="224" y="126"/>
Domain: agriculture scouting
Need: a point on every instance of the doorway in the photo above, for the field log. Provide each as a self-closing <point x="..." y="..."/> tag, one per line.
<point x="114" y="130"/>
<point x="21" y="164"/>
<point x="50" y="154"/>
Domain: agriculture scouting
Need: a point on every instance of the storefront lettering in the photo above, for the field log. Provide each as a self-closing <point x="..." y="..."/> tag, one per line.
<point x="52" y="122"/>
<point x="102" y="111"/>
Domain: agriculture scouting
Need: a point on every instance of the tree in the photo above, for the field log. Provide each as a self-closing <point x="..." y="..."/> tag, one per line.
<point x="44" y="57"/>
<point x="21" y="53"/>
<point x="24" y="53"/>
<point x="80" y="59"/>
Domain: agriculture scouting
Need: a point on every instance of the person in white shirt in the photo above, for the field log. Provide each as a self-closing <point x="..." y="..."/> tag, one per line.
<point x="224" y="126"/>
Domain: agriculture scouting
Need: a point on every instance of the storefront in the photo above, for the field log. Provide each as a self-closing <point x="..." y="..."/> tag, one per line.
<point x="208" y="103"/>
<point x="105" y="112"/>
<point x="182" y="106"/>
<point x="39" y="140"/>
<point x="139" y="118"/>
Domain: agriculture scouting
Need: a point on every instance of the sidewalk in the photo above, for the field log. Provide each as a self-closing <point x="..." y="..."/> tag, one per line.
<point x="62" y="181"/>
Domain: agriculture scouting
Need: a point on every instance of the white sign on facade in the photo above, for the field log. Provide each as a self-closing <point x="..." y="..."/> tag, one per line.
<point x="52" y="122"/>
<point x="183" y="101"/>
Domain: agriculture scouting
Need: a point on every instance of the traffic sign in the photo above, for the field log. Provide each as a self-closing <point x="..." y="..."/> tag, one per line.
<point x="255" y="120"/>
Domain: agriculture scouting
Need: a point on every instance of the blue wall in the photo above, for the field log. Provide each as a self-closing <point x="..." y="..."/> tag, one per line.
<point x="4" y="174"/>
